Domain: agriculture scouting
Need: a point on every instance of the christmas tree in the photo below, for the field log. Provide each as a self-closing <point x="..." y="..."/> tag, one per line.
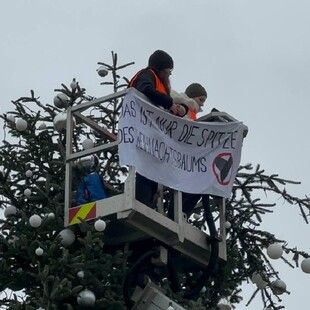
<point x="45" y="265"/>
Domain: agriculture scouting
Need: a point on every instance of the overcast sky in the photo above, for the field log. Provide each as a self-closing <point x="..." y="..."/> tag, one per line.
<point x="253" y="57"/>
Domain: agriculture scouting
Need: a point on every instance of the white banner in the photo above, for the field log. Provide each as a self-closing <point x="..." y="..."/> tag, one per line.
<point x="193" y="157"/>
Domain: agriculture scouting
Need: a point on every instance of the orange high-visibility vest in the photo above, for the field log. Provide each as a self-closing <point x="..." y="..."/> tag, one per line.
<point x="192" y="114"/>
<point x="158" y="83"/>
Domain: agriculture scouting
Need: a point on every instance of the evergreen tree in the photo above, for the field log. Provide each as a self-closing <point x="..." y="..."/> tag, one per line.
<point x="57" y="268"/>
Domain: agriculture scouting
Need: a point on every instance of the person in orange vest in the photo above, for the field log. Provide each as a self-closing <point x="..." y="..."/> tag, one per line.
<point x="194" y="97"/>
<point x="154" y="83"/>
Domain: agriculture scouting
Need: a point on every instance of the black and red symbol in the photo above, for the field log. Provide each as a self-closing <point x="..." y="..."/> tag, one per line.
<point x="222" y="168"/>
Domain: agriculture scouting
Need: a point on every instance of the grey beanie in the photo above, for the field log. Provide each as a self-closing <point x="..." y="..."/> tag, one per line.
<point x="195" y="90"/>
<point x="160" y="60"/>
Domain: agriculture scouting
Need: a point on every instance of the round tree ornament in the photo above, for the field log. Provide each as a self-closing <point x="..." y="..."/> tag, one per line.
<point x="102" y="71"/>
<point x="100" y="225"/>
<point x="35" y="220"/>
<point x="29" y="174"/>
<point x="21" y="124"/>
<point x="227" y="224"/>
<point x="86" y="298"/>
<point x="88" y="144"/>
<point x="10" y="118"/>
<point x="279" y="287"/>
<point x="27" y="192"/>
<point x="305" y="265"/>
<point x="39" y="251"/>
<point x="274" y="251"/>
<point x="9" y="211"/>
<point x="61" y="100"/>
<point x="67" y="237"/>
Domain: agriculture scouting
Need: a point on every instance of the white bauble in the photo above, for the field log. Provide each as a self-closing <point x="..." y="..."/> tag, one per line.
<point x="305" y="265"/>
<point x="261" y="284"/>
<point x="35" y="220"/>
<point x="73" y="84"/>
<point x="80" y="274"/>
<point x="10" y="118"/>
<point x="88" y="144"/>
<point x="21" y="124"/>
<point x="42" y="126"/>
<point x="256" y="277"/>
<point x="258" y="280"/>
<point x="224" y="304"/>
<point x="51" y="216"/>
<point x="10" y="210"/>
<point x="227" y="225"/>
<point x="102" y="71"/>
<point x="61" y="100"/>
<point x="60" y="121"/>
<point x="27" y="192"/>
<point x="203" y="290"/>
<point x="29" y="173"/>
<point x="274" y="251"/>
<point x="279" y="287"/>
<point x="39" y="251"/>
<point x="86" y="298"/>
<point x="67" y="237"/>
<point x="100" y="225"/>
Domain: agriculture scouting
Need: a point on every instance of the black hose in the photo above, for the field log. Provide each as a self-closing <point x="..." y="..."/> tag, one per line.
<point x="128" y="281"/>
<point x="214" y="249"/>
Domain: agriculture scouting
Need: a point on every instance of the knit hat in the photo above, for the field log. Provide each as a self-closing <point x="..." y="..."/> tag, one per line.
<point x="160" y="60"/>
<point x="195" y="90"/>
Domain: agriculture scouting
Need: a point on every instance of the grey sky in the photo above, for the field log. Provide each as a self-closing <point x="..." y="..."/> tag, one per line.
<point x="253" y="56"/>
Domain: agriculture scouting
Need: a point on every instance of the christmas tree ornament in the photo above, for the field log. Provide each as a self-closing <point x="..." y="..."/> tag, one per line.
<point x="9" y="211"/>
<point x="27" y="192"/>
<point x="80" y="274"/>
<point x="203" y="290"/>
<point x="39" y="251"/>
<point x="60" y="121"/>
<point x="256" y="277"/>
<point x="102" y="71"/>
<point x="35" y="220"/>
<point x="67" y="237"/>
<point x="258" y="280"/>
<point x="29" y="174"/>
<point x="227" y="224"/>
<point x="88" y="144"/>
<point x="274" y="251"/>
<point x="42" y="126"/>
<point x="73" y="85"/>
<point x="170" y="307"/>
<point x="51" y="216"/>
<point x="100" y="225"/>
<point x="261" y="284"/>
<point x="305" y="265"/>
<point x="224" y="304"/>
<point x="21" y="124"/>
<point x="86" y="298"/>
<point x="61" y="101"/>
<point x="279" y="287"/>
<point x="10" y="118"/>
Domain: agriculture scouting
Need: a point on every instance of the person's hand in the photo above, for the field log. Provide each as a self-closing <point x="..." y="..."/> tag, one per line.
<point x="181" y="110"/>
<point x="174" y="109"/>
